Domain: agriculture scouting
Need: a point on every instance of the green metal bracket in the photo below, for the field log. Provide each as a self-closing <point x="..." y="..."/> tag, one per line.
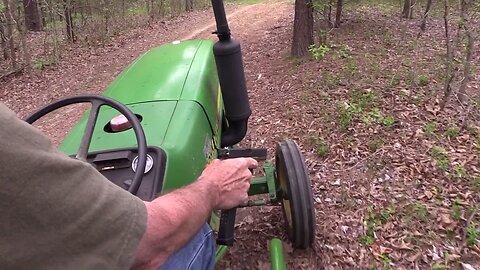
<point x="269" y="170"/>
<point x="263" y="185"/>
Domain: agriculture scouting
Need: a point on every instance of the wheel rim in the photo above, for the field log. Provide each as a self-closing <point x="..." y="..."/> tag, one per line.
<point x="285" y="202"/>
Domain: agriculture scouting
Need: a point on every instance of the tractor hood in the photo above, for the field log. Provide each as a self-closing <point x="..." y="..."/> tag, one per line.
<point x="158" y="75"/>
<point x="157" y="86"/>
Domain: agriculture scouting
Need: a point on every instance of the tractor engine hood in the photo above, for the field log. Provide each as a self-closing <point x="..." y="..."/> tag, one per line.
<point x="179" y="71"/>
<point x="154" y="86"/>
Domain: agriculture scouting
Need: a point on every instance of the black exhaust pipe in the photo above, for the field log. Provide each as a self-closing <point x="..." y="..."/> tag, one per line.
<point x="228" y="57"/>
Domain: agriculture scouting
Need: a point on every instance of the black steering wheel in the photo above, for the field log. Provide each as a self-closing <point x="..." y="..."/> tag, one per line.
<point x="97" y="102"/>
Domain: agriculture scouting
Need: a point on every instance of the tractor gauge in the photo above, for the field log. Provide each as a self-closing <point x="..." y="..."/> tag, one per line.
<point x="148" y="166"/>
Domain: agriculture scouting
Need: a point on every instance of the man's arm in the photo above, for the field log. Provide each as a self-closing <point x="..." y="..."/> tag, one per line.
<point x="174" y="218"/>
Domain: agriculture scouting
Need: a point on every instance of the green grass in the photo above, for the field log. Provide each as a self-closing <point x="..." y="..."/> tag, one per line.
<point x="361" y="105"/>
<point x="440" y="157"/>
<point x="385" y="260"/>
<point x="430" y="128"/>
<point x="420" y="212"/>
<point x="388" y="121"/>
<point x="343" y="52"/>
<point x="422" y="80"/>
<point x="346" y="117"/>
<point x="321" y="147"/>
<point x="452" y="132"/>
<point x="457" y="210"/>
<point x="352" y="67"/>
<point x="460" y="172"/>
<point x="373" y="219"/>
<point x="472" y="235"/>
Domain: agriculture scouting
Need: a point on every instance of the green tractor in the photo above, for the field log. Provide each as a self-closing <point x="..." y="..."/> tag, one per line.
<point x="172" y="111"/>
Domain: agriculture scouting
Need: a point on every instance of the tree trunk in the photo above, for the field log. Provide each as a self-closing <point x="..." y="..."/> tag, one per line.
<point x="33" y="21"/>
<point x="44" y="13"/>
<point x="67" y="10"/>
<point x="162" y="9"/>
<point x="21" y="28"/>
<point x="468" y="50"/>
<point x="461" y="23"/>
<point x="449" y="65"/>
<point x="302" y="28"/>
<point x="55" y="52"/>
<point x="327" y="13"/>
<point x="188" y="5"/>
<point x="408" y="9"/>
<point x="9" y="33"/>
<point x="466" y="68"/>
<point x="423" y="25"/>
<point x="338" y="15"/>
<point x="3" y="40"/>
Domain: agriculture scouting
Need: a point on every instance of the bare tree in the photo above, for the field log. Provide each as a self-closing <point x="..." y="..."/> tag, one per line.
<point x="21" y="28"/>
<point x="323" y="19"/>
<point x="33" y="21"/>
<point x="67" y="11"/>
<point x="463" y="24"/>
<point x="423" y="25"/>
<point x="302" y="28"/>
<point x="447" y="89"/>
<point x="407" y="11"/>
<point x="338" y="14"/>
<point x="9" y="33"/>
<point x="3" y="38"/>
<point x="188" y="5"/>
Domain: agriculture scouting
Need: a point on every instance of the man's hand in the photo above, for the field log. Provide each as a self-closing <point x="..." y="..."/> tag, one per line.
<point x="174" y="218"/>
<point x="231" y="180"/>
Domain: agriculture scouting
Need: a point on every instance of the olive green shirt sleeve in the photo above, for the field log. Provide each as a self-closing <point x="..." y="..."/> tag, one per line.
<point x="57" y="212"/>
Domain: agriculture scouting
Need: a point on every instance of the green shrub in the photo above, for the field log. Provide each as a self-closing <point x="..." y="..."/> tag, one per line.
<point x="422" y="80"/>
<point x="318" y="53"/>
<point x="388" y="121"/>
<point x="452" y="132"/>
<point x="321" y="147"/>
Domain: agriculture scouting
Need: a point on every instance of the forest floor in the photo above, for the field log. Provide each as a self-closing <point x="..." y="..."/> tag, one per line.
<point x="396" y="181"/>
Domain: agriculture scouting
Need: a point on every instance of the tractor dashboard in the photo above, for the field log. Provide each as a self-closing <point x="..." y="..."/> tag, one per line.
<point x="119" y="165"/>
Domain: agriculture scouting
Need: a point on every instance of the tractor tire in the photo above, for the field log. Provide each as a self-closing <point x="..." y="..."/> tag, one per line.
<point x="296" y="194"/>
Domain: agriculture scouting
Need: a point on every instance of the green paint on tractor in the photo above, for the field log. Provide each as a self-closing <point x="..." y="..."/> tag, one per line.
<point x="175" y="89"/>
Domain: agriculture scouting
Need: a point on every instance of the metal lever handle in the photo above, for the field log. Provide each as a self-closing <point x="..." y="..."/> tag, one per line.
<point x="227" y="218"/>
<point x="259" y="154"/>
<point x="227" y="227"/>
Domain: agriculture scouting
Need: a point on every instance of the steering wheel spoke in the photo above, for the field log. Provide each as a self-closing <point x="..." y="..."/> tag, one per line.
<point x="88" y="133"/>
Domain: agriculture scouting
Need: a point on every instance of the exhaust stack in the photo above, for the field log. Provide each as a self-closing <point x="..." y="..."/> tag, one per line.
<point x="228" y="57"/>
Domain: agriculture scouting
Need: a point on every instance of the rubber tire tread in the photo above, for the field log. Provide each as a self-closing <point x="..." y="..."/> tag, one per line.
<point x="300" y="194"/>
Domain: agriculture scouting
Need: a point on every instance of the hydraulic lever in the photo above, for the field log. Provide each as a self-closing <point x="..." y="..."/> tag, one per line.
<point x="227" y="218"/>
